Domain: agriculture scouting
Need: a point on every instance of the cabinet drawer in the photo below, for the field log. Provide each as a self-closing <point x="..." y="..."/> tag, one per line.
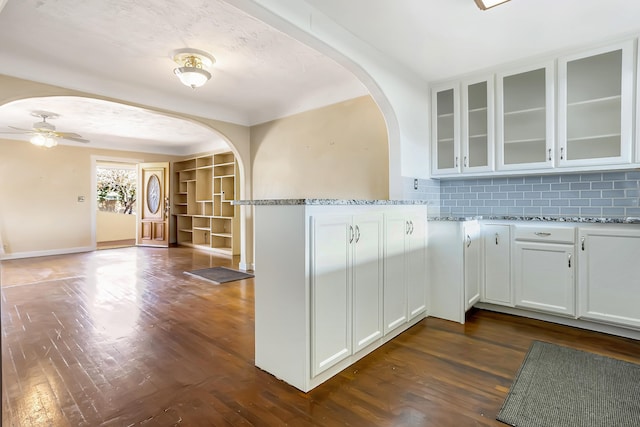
<point x="541" y="233"/>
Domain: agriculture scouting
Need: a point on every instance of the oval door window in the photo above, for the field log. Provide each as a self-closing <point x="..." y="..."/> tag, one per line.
<point x="153" y="194"/>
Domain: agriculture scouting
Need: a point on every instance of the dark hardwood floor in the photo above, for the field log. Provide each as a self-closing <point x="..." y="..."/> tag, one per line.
<point x="122" y="337"/>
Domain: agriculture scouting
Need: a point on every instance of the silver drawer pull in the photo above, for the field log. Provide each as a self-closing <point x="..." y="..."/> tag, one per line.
<point x="542" y="233"/>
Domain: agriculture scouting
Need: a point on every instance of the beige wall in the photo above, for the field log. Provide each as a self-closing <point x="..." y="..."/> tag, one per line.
<point x="111" y="226"/>
<point x="339" y="151"/>
<point x="39" y="189"/>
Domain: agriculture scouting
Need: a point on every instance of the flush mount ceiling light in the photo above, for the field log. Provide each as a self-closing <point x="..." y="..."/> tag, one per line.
<point x="488" y="4"/>
<point x="193" y="65"/>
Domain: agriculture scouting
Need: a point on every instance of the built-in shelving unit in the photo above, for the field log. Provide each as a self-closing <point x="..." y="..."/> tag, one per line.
<point x="205" y="217"/>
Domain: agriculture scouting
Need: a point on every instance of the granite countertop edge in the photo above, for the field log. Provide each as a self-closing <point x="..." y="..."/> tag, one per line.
<point x="591" y="220"/>
<point x="325" y="202"/>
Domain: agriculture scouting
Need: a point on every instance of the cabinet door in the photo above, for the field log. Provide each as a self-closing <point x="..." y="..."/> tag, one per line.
<point x="416" y="265"/>
<point x="525" y="114"/>
<point x="330" y="291"/>
<point x="367" y="280"/>
<point x="595" y="107"/>
<point x="471" y="264"/>
<point x="543" y="277"/>
<point x="396" y="228"/>
<point x="445" y="124"/>
<point x="497" y="260"/>
<point x="477" y="126"/>
<point x="609" y="278"/>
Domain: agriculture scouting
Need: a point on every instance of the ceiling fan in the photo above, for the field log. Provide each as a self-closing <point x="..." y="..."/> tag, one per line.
<point x="44" y="133"/>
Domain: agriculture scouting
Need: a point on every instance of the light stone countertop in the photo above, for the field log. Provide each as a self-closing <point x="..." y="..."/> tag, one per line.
<point x="326" y="202"/>
<point x="591" y="220"/>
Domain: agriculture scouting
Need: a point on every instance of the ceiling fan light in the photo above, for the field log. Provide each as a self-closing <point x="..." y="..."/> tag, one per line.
<point x="488" y="4"/>
<point x="192" y="76"/>
<point x="50" y="142"/>
<point x="38" y="140"/>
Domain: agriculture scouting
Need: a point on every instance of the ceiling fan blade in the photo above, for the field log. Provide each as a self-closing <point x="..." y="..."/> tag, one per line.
<point x="21" y="130"/>
<point x="68" y="135"/>
<point x="76" y="139"/>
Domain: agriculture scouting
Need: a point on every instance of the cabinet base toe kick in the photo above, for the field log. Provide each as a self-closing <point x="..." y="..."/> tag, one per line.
<point x="588" y="324"/>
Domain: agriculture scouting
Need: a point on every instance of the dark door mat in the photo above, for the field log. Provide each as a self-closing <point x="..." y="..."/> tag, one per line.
<point x="562" y="387"/>
<point x="219" y="275"/>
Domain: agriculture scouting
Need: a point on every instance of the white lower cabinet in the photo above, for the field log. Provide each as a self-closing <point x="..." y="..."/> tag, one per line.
<point x="404" y="268"/>
<point x="472" y="257"/>
<point x="544" y="267"/>
<point x="346" y="286"/>
<point x="609" y="274"/>
<point x="496" y="239"/>
<point x="320" y="294"/>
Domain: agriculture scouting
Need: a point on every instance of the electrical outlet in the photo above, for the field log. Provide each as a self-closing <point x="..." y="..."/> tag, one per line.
<point x="80" y="199"/>
<point x="415" y="184"/>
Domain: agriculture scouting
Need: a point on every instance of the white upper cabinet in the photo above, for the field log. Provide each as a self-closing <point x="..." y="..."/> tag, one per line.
<point x="525" y="114"/>
<point x="595" y="107"/>
<point x="445" y="130"/>
<point x="477" y="125"/>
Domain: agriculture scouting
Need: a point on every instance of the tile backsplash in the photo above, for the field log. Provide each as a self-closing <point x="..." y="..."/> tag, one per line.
<point x="603" y="195"/>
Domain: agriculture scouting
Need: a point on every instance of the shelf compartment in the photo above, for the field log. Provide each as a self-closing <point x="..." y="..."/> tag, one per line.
<point x="228" y="169"/>
<point x="204" y="185"/>
<point x="223" y="158"/>
<point x="185" y="237"/>
<point x="594" y="147"/>
<point x="594" y="77"/>
<point x="221" y="226"/>
<point x="184" y="165"/>
<point x="202" y="237"/>
<point x="204" y="161"/>
<point x="525" y="151"/>
<point x="201" y="223"/>
<point x="227" y="209"/>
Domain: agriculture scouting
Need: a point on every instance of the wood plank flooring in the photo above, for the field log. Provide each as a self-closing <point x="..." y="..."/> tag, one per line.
<point x="122" y="337"/>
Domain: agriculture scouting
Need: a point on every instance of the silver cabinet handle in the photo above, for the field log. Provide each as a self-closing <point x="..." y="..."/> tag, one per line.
<point x="357" y="234"/>
<point x="569" y="260"/>
<point x="542" y="233"/>
<point x="561" y="153"/>
<point x="351" y="233"/>
<point x="411" y="222"/>
<point x="549" y="154"/>
<point x="468" y="240"/>
<point x="408" y="229"/>
<point x="582" y="242"/>
<point x="496" y="238"/>
<point x="456" y="161"/>
<point x="465" y="162"/>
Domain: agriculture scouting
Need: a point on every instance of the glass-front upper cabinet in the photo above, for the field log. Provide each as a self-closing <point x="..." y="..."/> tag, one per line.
<point x="477" y="125"/>
<point x="595" y="106"/>
<point x="525" y="114"/>
<point x="445" y="130"/>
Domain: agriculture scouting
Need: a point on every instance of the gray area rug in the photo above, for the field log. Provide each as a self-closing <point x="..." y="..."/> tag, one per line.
<point x="219" y="275"/>
<point x="562" y="387"/>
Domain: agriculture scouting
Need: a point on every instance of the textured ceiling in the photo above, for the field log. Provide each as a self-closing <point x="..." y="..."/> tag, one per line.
<point x="121" y="49"/>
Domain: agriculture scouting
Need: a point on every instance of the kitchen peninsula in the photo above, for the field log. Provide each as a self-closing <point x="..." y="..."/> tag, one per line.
<point x="336" y="280"/>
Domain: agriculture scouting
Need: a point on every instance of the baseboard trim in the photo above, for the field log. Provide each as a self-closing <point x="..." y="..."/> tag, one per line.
<point x="576" y="323"/>
<point x="247" y="266"/>
<point x="34" y="254"/>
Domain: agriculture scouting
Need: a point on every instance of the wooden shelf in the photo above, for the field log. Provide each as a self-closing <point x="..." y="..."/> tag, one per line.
<point x="205" y="217"/>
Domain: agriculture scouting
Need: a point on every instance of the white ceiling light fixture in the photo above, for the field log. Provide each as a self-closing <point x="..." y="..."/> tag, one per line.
<point x="193" y="67"/>
<point x="488" y="4"/>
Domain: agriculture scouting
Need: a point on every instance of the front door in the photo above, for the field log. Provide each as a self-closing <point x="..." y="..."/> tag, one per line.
<point x="153" y="204"/>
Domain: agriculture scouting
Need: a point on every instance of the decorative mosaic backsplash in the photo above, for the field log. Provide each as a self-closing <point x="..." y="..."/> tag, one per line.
<point x="607" y="195"/>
